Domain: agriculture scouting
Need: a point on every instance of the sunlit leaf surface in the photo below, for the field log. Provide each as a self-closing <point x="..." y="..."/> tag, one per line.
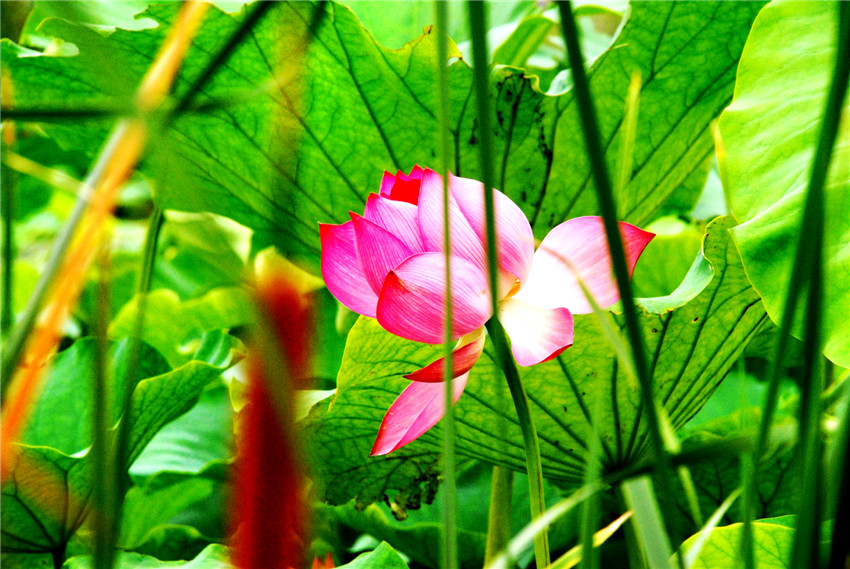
<point x="770" y="132"/>
<point x="357" y="108"/>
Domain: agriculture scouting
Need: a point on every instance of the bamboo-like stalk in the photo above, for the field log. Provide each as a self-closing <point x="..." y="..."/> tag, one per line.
<point x="9" y="182"/>
<point x="449" y="543"/>
<point x="481" y="70"/>
<point x="103" y="525"/>
<point x="609" y="214"/>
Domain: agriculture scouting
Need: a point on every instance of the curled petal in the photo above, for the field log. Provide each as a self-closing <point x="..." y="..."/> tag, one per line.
<point x="397" y="217"/>
<point x="464" y="241"/>
<point x="419" y="407"/>
<point x="577" y="249"/>
<point x="379" y="251"/>
<point x="537" y="334"/>
<point x="464" y="357"/>
<point x="514" y="239"/>
<point x="402" y="187"/>
<point x="341" y="269"/>
<point x="412" y="302"/>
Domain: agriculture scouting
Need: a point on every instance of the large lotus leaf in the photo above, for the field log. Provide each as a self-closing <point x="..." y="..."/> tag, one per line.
<point x="214" y="556"/>
<point x="328" y="123"/>
<point x="693" y="337"/>
<point x="189" y="444"/>
<point x="148" y="508"/>
<point x="773" y="539"/>
<point x="45" y="499"/>
<point x="770" y="132"/>
<point x="62" y="417"/>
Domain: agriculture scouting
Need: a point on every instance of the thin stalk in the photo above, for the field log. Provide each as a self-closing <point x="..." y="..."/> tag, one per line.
<point x="530" y="440"/>
<point x="591" y="508"/>
<point x="43" y="114"/>
<point x="481" y="71"/>
<point x="117" y="469"/>
<point x="839" y="482"/>
<point x="143" y="288"/>
<point x="102" y="482"/>
<point x="450" y="551"/>
<point x="9" y="189"/>
<point x="615" y="245"/>
<point x="748" y="505"/>
<point x="749" y="488"/>
<point x="499" y="515"/>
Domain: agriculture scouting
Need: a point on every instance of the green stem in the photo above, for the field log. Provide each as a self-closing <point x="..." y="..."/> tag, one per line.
<point x="450" y="547"/>
<point x="10" y="184"/>
<point x="481" y="70"/>
<point x="839" y="482"/>
<point x="120" y="452"/>
<point x="591" y="508"/>
<point x="499" y="517"/>
<point x="612" y="231"/>
<point x="529" y="436"/>
<point x="103" y="484"/>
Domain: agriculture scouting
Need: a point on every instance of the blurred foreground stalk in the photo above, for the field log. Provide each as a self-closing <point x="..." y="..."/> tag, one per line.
<point x="268" y="506"/>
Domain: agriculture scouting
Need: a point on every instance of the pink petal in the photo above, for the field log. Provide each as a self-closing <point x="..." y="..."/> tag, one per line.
<point x="379" y="251"/>
<point x="578" y="248"/>
<point x="341" y="269"/>
<point x="537" y="334"/>
<point x="399" y="218"/>
<point x="412" y="302"/>
<point x="402" y="187"/>
<point x="463" y="358"/>
<point x="514" y="239"/>
<point x="419" y="407"/>
<point x="464" y="241"/>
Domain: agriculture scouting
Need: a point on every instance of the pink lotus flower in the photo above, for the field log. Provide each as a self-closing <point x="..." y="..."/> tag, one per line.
<point x="389" y="264"/>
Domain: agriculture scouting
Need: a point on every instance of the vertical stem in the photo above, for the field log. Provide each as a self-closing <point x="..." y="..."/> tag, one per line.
<point x="615" y="245"/>
<point x="117" y="468"/>
<point x="839" y="482"/>
<point x="9" y="187"/>
<point x="499" y="518"/>
<point x="102" y="483"/>
<point x="529" y="436"/>
<point x="450" y="558"/>
<point x="590" y="513"/>
<point x="481" y="71"/>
